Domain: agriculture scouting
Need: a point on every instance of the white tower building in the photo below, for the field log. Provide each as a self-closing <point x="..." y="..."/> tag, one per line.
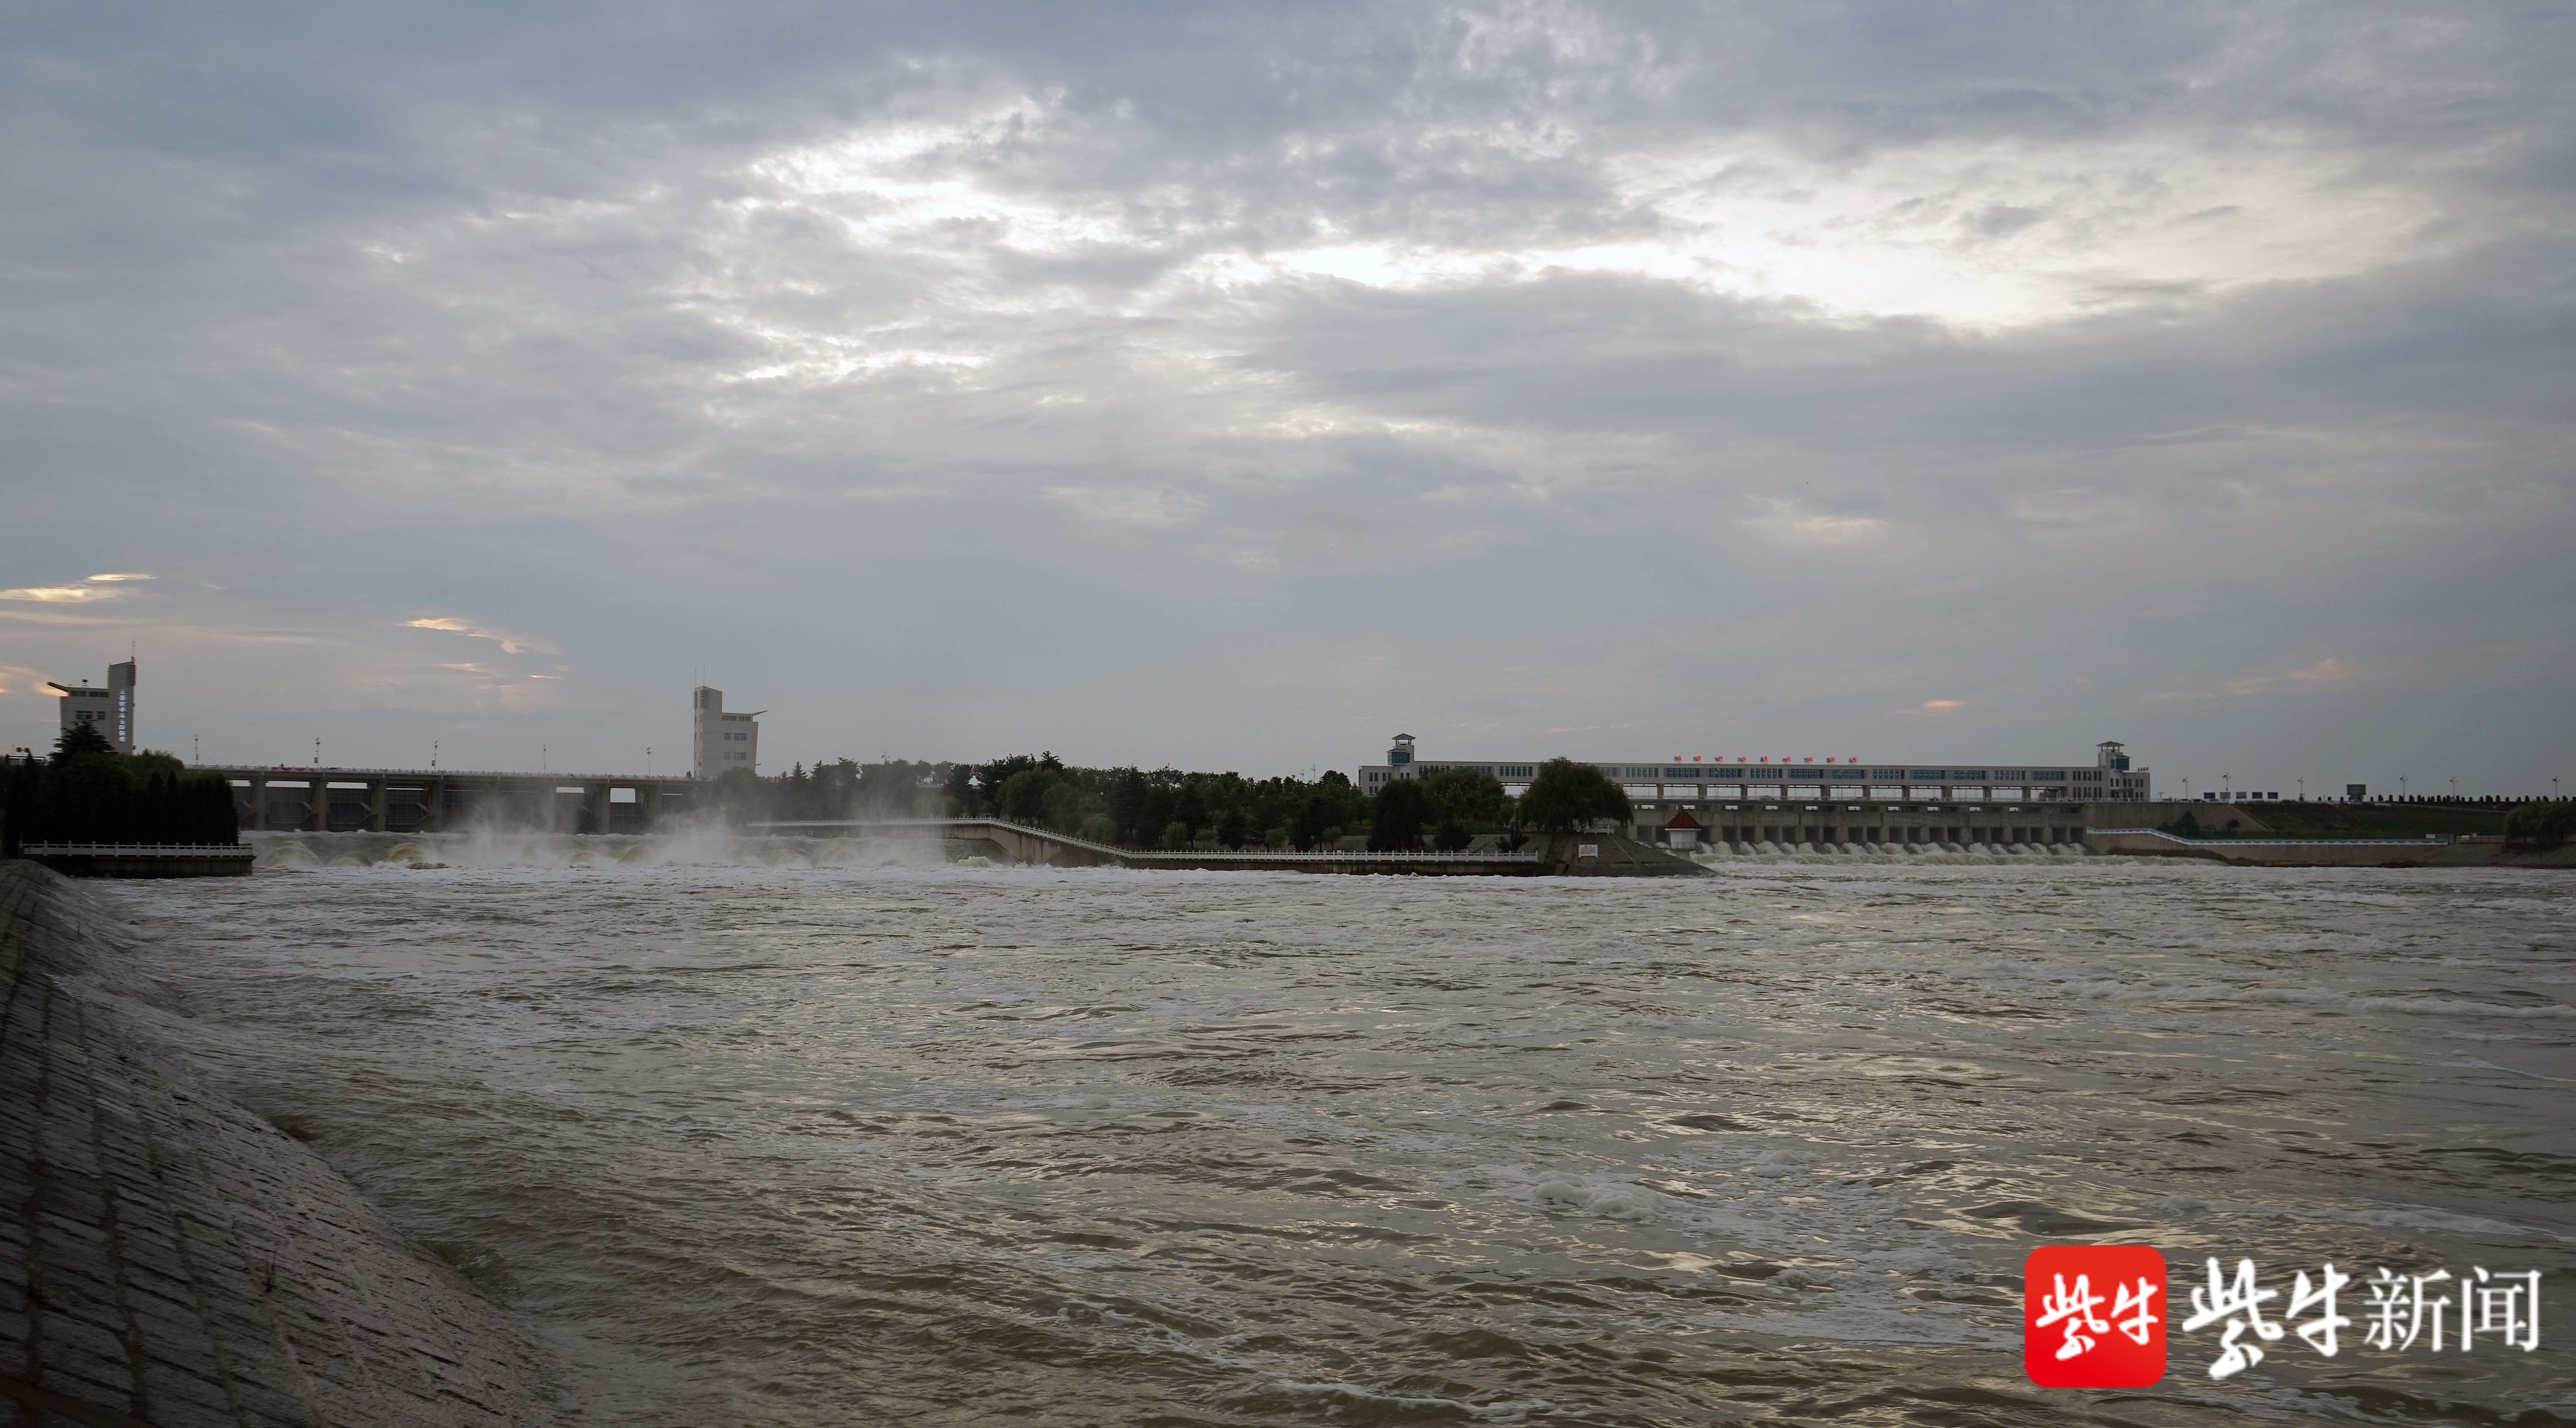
<point x="109" y="710"/>
<point x="718" y="740"/>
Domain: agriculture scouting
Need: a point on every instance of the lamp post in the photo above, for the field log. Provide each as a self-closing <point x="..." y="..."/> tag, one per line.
<point x="433" y="753"/>
<point x="2401" y="788"/>
<point x="2303" y="790"/>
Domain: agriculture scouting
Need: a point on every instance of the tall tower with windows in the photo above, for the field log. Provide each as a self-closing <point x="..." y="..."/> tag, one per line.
<point x="719" y="741"/>
<point x="110" y="711"/>
<point x="2121" y="782"/>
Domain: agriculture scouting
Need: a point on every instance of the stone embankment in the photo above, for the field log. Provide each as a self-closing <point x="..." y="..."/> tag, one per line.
<point x="167" y="1258"/>
<point x="2319" y="853"/>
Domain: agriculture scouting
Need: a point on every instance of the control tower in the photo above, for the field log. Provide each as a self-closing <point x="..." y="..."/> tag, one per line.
<point x="110" y="711"/>
<point x="2121" y="782"/>
<point x="719" y="741"/>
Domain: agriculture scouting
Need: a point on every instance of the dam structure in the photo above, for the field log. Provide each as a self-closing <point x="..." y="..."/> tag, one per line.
<point x="1688" y="802"/>
<point x="1561" y="855"/>
<point x="285" y="798"/>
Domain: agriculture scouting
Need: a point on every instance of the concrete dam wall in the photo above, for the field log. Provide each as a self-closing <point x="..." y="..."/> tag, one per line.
<point x="168" y="1258"/>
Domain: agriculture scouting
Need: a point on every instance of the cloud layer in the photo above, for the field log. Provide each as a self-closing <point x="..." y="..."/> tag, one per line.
<point x="1236" y="386"/>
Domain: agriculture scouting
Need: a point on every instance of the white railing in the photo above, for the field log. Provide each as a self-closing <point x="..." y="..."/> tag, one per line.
<point x="1279" y="855"/>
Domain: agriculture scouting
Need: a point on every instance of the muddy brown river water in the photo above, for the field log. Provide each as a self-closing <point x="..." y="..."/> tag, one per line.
<point x="753" y="1144"/>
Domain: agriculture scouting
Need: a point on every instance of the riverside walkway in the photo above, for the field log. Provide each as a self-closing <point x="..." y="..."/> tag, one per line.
<point x="168" y="1258"/>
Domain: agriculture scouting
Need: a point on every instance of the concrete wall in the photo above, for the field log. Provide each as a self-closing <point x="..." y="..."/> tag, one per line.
<point x="168" y="1258"/>
<point x="1789" y="823"/>
<point x="2302" y="853"/>
<point x="2248" y="816"/>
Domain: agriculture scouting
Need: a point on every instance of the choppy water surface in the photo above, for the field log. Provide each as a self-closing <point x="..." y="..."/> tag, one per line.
<point x="950" y="1145"/>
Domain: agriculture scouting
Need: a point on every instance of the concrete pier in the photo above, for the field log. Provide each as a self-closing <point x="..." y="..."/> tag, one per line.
<point x="168" y="1258"/>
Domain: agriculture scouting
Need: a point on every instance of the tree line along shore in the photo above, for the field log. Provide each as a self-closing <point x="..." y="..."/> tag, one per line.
<point x="1171" y="808"/>
<point x="87" y="792"/>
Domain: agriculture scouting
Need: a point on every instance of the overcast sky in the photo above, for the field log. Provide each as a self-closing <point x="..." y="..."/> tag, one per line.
<point x="1236" y="386"/>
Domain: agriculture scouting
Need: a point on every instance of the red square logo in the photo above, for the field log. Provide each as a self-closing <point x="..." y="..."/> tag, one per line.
<point x="2093" y="1316"/>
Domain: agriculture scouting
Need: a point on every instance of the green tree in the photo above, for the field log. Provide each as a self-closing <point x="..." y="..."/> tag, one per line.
<point x="1566" y="795"/>
<point x="1350" y="806"/>
<point x="1128" y="800"/>
<point x="990" y="779"/>
<point x="82" y="740"/>
<point x="2543" y="823"/>
<point x="89" y="793"/>
<point x="1022" y="796"/>
<point x="1178" y="836"/>
<point x="209" y="814"/>
<point x="898" y="788"/>
<point x="1066" y="806"/>
<point x="1233" y="828"/>
<point x="1395" y="822"/>
<point x="741" y="796"/>
<point x="1314" y="815"/>
<point x="1470" y="797"/>
<point x="959" y="790"/>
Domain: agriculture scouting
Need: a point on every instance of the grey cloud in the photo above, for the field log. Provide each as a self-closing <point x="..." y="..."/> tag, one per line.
<point x="1031" y="439"/>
